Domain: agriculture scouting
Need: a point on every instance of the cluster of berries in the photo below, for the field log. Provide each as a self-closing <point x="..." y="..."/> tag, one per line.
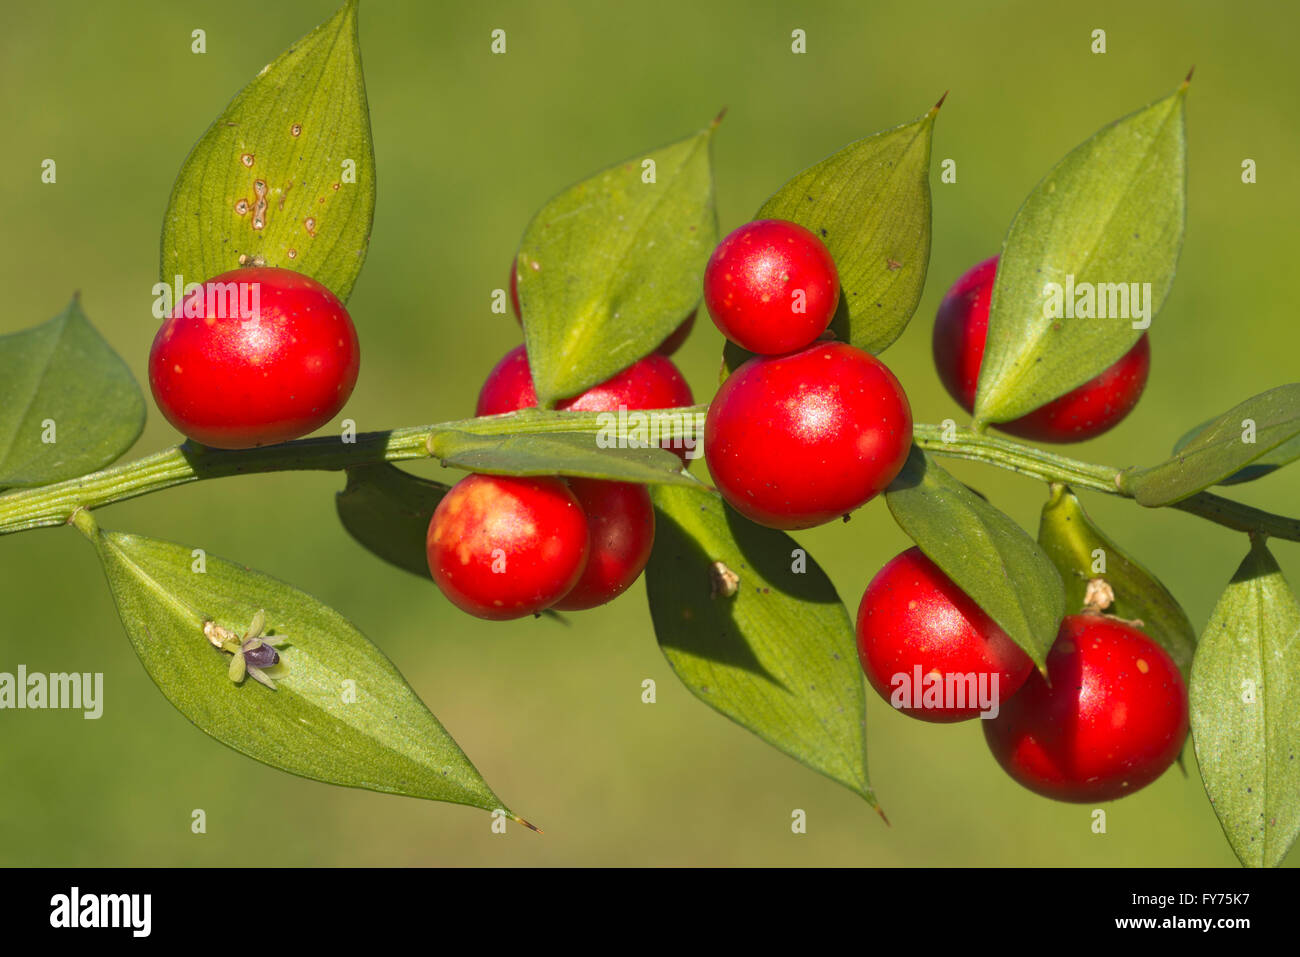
<point x="801" y="433"/>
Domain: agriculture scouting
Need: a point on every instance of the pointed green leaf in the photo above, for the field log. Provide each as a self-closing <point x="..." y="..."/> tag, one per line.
<point x="983" y="551"/>
<point x="1245" y="711"/>
<point x="1109" y="215"/>
<point x="1081" y="551"/>
<point x="1242" y="435"/>
<point x="301" y="128"/>
<point x="1269" y="462"/>
<point x="778" y="656"/>
<point x="388" y="511"/>
<point x="611" y="266"/>
<point x="341" y="712"/>
<point x="870" y="204"/>
<point x="68" y="403"/>
<point x="558" y="453"/>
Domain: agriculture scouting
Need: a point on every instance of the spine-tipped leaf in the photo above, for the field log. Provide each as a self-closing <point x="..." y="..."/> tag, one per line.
<point x="340" y="712"/>
<point x="870" y="204"/>
<point x="754" y="628"/>
<point x="285" y="176"/>
<point x="1087" y="263"/>
<point x="1245" y="711"/>
<point x="68" y="403"/>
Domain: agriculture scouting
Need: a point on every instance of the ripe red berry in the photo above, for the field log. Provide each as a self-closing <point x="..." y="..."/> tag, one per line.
<point x="771" y="287"/>
<point x="1112" y="720"/>
<point x="1095" y="407"/>
<point x="929" y="650"/>
<point x="504" y="547"/>
<point x="649" y="383"/>
<point x="621" y="521"/>
<point x="258" y="356"/>
<point x="794" y="441"/>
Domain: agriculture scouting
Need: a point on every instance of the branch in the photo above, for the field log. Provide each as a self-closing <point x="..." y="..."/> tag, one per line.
<point x="55" y="504"/>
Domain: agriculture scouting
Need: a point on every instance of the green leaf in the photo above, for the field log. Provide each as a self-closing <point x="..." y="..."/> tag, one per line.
<point x="388" y="511"/>
<point x="1081" y="551"/>
<point x="778" y="656"/>
<point x="1109" y="215"/>
<point x="1221" y="448"/>
<point x="1269" y="462"/>
<point x="304" y="126"/>
<point x="557" y="453"/>
<point x="870" y="204"/>
<point x="983" y="551"/>
<point x="1245" y="711"/>
<point x="68" y="403"/>
<point x="384" y="740"/>
<point x="611" y="266"/>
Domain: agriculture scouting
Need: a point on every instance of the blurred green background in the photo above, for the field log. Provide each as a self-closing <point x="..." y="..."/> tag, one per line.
<point x="468" y="145"/>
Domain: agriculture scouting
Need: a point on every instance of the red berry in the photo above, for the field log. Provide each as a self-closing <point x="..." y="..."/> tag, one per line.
<point x="232" y="378"/>
<point x="1095" y="407"/>
<point x="771" y="287"/>
<point x="677" y="336"/>
<point x="914" y="622"/>
<point x="514" y="290"/>
<point x="649" y="383"/>
<point x="1112" y="720"/>
<point x="795" y="441"/>
<point x="504" y="547"/>
<point x="621" y="521"/>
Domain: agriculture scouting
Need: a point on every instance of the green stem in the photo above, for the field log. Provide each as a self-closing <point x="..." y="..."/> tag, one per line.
<point x="56" y="504"/>
<point x="1049" y="467"/>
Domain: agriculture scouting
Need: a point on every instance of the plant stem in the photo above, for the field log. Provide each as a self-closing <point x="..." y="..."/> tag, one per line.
<point x="48" y="505"/>
<point x="55" y="504"/>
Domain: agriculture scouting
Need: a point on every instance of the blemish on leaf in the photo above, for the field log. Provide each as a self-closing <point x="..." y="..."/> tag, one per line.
<point x="292" y="254"/>
<point x="241" y="207"/>
<point x="295" y="130"/>
<point x="309" y="224"/>
<point x="259" y="208"/>
<point x="247" y="160"/>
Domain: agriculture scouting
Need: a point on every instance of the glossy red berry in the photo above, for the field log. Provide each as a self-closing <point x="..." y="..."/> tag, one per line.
<point x="1112" y="720"/>
<point x="258" y="356"/>
<point x="794" y="441"/>
<point x="771" y="287"/>
<point x="621" y="522"/>
<point x="929" y="650"/>
<point x="504" y="547"/>
<point x="1095" y="407"/>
